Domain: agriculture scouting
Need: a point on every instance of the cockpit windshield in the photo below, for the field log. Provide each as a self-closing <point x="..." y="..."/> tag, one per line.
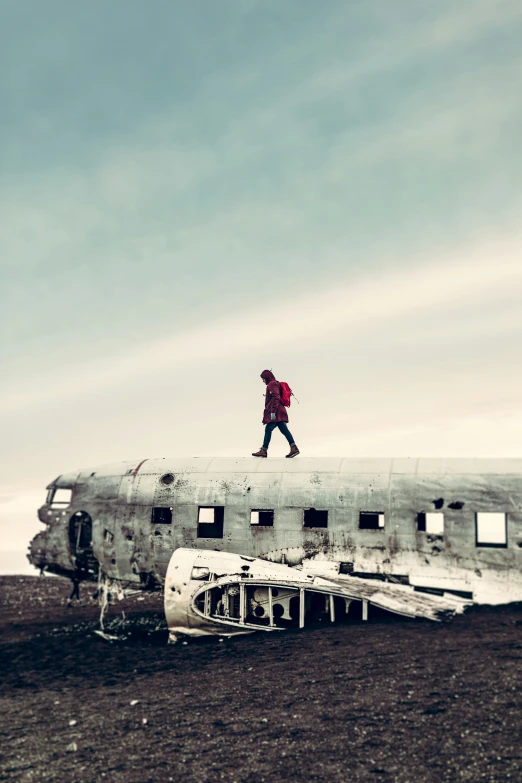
<point x="59" y="497"/>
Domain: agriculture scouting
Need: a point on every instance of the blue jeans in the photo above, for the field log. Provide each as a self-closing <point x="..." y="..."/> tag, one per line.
<point x="270" y="427"/>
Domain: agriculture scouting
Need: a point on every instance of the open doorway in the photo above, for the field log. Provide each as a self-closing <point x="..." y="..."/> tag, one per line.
<point x="80" y="542"/>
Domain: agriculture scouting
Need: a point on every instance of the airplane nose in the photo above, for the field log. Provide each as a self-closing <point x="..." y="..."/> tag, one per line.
<point x="36" y="550"/>
<point x="43" y="514"/>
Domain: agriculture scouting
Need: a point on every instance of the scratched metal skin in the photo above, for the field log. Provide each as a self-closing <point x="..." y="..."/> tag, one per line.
<point x="193" y="574"/>
<point x="128" y="546"/>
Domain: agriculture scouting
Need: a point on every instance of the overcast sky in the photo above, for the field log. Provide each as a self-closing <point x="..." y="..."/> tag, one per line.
<point x="193" y="191"/>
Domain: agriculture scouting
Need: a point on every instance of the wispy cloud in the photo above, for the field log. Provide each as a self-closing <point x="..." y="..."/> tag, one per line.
<point x="343" y="313"/>
<point x="461" y="434"/>
<point x="467" y="23"/>
<point x="159" y="160"/>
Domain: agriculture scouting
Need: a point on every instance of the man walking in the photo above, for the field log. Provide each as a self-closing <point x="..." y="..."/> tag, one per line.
<point x="274" y="415"/>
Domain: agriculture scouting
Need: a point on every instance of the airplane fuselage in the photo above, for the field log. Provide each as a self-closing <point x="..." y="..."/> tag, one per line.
<point x="452" y="524"/>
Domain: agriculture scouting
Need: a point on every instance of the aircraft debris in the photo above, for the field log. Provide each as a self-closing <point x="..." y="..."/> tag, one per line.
<point x="209" y="593"/>
<point x="107" y="636"/>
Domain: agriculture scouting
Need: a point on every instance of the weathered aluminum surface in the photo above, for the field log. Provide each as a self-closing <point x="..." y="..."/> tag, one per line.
<point x="127" y="544"/>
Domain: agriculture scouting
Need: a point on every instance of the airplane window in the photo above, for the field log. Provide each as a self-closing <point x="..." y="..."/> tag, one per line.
<point x="61" y="497"/>
<point x="371" y="520"/>
<point x="491" y="529"/>
<point x="262" y="517"/>
<point x="210" y="521"/>
<point x="430" y="522"/>
<point x="314" y="518"/>
<point x="161" y="516"/>
<point x="200" y="572"/>
<point x="167" y="479"/>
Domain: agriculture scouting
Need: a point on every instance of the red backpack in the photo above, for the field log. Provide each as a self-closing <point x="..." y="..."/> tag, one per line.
<point x="286" y="394"/>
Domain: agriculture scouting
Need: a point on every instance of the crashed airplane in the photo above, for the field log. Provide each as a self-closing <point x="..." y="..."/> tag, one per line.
<point x="289" y="543"/>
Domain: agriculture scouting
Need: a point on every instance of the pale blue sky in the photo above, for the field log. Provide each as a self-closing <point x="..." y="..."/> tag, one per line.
<point x="192" y="191"/>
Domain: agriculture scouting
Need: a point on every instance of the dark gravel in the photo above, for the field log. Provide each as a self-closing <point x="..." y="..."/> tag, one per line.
<point x="391" y="700"/>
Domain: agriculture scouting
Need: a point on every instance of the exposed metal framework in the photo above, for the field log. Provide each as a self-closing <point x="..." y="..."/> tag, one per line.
<point x="242" y="595"/>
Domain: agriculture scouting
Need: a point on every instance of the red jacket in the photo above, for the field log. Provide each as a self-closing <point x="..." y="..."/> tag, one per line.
<point x="273" y="401"/>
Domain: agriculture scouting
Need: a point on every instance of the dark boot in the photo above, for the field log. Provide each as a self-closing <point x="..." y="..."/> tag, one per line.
<point x="294" y="451"/>
<point x="261" y="453"/>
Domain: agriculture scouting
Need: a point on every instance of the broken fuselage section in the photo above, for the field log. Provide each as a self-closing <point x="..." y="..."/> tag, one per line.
<point x="218" y="593"/>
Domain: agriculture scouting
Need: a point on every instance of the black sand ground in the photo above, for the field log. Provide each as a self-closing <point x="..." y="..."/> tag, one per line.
<point x="390" y="700"/>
